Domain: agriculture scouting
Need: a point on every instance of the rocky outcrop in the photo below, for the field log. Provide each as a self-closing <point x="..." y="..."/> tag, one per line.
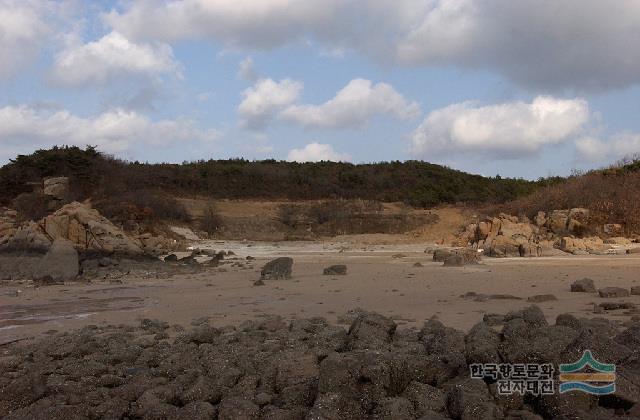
<point x="56" y="188"/>
<point x="561" y="231"/>
<point x="59" y="264"/>
<point x="84" y="227"/>
<point x="309" y="369"/>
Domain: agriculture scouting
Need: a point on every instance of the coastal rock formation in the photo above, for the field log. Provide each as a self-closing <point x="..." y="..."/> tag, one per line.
<point x="308" y="368"/>
<point x="83" y="226"/>
<point x="561" y="231"/>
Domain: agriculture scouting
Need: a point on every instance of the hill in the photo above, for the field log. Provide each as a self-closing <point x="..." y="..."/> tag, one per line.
<point x="420" y="184"/>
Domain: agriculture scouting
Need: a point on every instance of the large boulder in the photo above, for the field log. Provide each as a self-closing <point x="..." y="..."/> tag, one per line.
<point x="88" y="230"/>
<point x="57" y="187"/>
<point x="59" y="264"/>
<point x="278" y="269"/>
<point x="558" y="220"/>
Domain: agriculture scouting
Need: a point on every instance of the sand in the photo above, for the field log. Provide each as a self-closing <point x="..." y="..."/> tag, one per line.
<point x="378" y="279"/>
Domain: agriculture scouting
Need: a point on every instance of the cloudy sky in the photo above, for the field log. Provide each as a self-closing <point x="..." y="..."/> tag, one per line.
<point x="523" y="88"/>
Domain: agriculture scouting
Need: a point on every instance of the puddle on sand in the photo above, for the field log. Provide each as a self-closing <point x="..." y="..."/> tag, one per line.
<point x="13" y="316"/>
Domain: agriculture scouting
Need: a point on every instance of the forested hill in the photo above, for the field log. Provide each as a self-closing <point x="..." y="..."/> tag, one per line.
<point x="414" y="182"/>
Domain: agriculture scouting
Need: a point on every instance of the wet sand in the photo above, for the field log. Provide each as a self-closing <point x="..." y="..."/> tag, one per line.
<point x="378" y="279"/>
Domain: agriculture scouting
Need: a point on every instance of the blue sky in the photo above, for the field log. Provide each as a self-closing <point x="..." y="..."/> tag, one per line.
<point x="524" y="89"/>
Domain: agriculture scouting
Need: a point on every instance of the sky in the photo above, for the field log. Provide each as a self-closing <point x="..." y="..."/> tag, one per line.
<point x="529" y="89"/>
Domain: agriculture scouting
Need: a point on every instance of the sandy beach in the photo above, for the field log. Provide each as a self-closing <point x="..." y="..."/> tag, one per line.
<point x="381" y="278"/>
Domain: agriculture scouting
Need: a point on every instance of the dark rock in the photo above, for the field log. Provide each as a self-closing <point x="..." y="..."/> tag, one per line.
<point x="234" y="408"/>
<point x="171" y="258"/>
<point x="613" y="292"/>
<point x="370" y="330"/>
<point x="584" y="285"/>
<point x="440" y="255"/>
<point x="493" y="319"/>
<point x="568" y="320"/>
<point x="614" y="306"/>
<point x="59" y="264"/>
<point x="425" y="398"/>
<point x="330" y="406"/>
<point x="454" y="261"/>
<point x="481" y="345"/>
<point x="394" y="408"/>
<point x="278" y="269"/>
<point x="541" y="298"/>
<point x="335" y="270"/>
<point x="258" y="282"/>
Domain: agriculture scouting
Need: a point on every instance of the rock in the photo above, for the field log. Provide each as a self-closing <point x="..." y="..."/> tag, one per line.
<point x="618" y="241"/>
<point x="481" y="344"/>
<point x="532" y="315"/>
<point x="540" y="219"/>
<point x="278" y="269"/>
<point x="171" y="258"/>
<point x="541" y="298"/>
<point x="419" y="265"/>
<point x="335" y="406"/>
<point x="454" y="261"/>
<point x="56" y="188"/>
<point x="394" y="408"/>
<point x="614" y="306"/>
<point x="425" y="398"/>
<point x="335" y="270"/>
<point x="558" y="220"/>
<point x="613" y="292"/>
<point x="493" y="319"/>
<point x="87" y="229"/>
<point x="59" y="264"/>
<point x="568" y="320"/>
<point x="370" y="330"/>
<point x="258" y="282"/>
<point x="635" y="290"/>
<point x="584" y="285"/>
<point x="234" y="408"/>
<point x="439" y="255"/>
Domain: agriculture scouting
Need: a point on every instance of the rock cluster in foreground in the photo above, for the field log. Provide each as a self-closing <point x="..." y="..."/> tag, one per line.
<point x="309" y="369"/>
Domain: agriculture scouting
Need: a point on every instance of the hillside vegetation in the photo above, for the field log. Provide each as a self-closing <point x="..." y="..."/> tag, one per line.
<point x="419" y="184"/>
<point x="612" y="195"/>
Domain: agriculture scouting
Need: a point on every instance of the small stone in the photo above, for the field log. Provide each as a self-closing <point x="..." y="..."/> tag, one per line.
<point x="541" y="298"/>
<point x="335" y="270"/>
<point x="613" y="292"/>
<point x="584" y="285"/>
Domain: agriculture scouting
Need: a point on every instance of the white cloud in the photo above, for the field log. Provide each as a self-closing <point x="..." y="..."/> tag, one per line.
<point x="265" y="99"/>
<point x="245" y="23"/>
<point x="509" y="130"/>
<point x="111" y="57"/>
<point x="618" y="146"/>
<point x="316" y="152"/>
<point x="584" y="44"/>
<point x="353" y="106"/>
<point x="23" y="30"/>
<point x="247" y="71"/>
<point x="24" y="128"/>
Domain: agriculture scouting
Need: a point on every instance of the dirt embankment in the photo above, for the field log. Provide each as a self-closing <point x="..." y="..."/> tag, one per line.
<point x="309" y="220"/>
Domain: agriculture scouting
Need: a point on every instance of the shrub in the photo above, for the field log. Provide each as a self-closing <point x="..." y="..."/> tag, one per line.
<point x="211" y="222"/>
<point x="31" y="206"/>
